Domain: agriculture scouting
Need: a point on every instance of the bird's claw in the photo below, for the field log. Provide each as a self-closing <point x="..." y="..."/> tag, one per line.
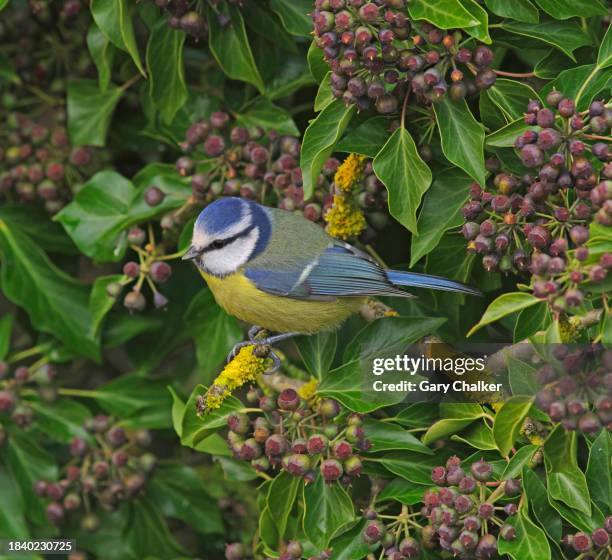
<point x="255" y="338"/>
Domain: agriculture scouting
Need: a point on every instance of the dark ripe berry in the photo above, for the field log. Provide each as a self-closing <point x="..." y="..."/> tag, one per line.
<point x="219" y="119"/>
<point x="510" y="509"/>
<point x="119" y="458"/>
<point x="131" y="269"/>
<point x="294" y="549"/>
<point x="471" y="523"/>
<point x="467" y="485"/>
<point x="608" y="524"/>
<point x="463" y="504"/>
<point x="54" y="171"/>
<point x="154" y="196"/>
<point x="581" y="254"/>
<point x="386" y="104"/>
<point x="374" y="531"/>
<point x="471" y="210"/>
<point x="288" y="399"/>
<point x="589" y="423"/>
<point x="78" y="447"/>
<point x="238" y="422"/>
<point x="55" y="491"/>
<point x="483" y="244"/>
<point x="192" y="23"/>
<point x="21" y="374"/>
<point x="136" y="236"/>
<point x="487" y="547"/>
<point x="600" y="538"/>
<point x="116" y="436"/>
<point x="432" y="57"/>
<point x="55" y="513"/>
<point x="481" y="470"/>
<point x="556" y="265"/>
<point x="606" y="260"/>
<point x="507" y="532"/>
<point x="214" y="145"/>
<point x="512" y="487"/>
<point x="530" y="118"/>
<point x="486" y="510"/>
<point x="438" y="476"/>
<point x="447" y="532"/>
<point x="298" y="465"/>
<point x="276" y="445"/>
<point x="352" y="466"/>
<point x="470" y="230"/>
<point x="596" y="109"/>
<point x="557" y="411"/>
<point x="468" y="539"/>
<point x="369" y="13"/>
<point x="598" y="125"/>
<point x="576" y="147"/>
<point x="548" y="138"/>
<point x="71" y="502"/>
<point x="454" y="475"/>
<point x="409" y="548"/>
<point x="576" y="122"/>
<point x="485" y="78"/>
<point x="185" y="166"/>
<point x="258" y="155"/>
<point x="316" y="444"/>
<point x="342" y="449"/>
<point x="488" y="228"/>
<point x="566" y="107"/>
<point x="553" y="98"/>
<point x="601" y="151"/>
<point x="331" y="469"/>
<point x="582" y="542"/>
<point x="545" y="118"/>
<point x="40" y="488"/>
<point x="482" y="56"/>
<point x="557" y="159"/>
<point x="133" y="484"/>
<point x="532" y="156"/>
<point x="197" y="132"/>
<point x="160" y="272"/>
<point x="579" y="234"/>
<point x="7" y="401"/>
<point x="250" y="450"/>
<point x="559" y="247"/>
<point x="463" y="56"/>
<point x="538" y="237"/>
<point x="574" y="297"/>
<point x="447" y="496"/>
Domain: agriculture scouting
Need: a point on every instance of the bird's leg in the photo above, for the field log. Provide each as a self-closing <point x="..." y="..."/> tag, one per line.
<point x="254" y="333"/>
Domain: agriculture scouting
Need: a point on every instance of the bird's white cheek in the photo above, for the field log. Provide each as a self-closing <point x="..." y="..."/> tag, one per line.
<point x="231" y="257"/>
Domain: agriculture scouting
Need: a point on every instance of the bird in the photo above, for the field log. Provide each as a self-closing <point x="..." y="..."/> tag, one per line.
<point x="282" y="273"/>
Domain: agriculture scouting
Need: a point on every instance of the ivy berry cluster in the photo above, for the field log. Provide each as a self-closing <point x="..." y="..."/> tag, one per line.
<point x="539" y="223"/>
<point x="377" y="56"/>
<point x="596" y="545"/>
<point x="299" y="437"/>
<point x="576" y="388"/>
<point x="105" y="469"/>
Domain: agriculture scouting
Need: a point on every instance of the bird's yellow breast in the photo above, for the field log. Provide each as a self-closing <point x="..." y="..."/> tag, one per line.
<point x="240" y="297"/>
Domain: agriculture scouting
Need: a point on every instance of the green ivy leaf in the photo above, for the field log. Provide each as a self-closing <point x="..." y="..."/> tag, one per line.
<point x="350" y="545"/>
<point x="530" y="542"/>
<point x="102" y="52"/>
<point x="269" y="116"/>
<point x="566" y="482"/>
<point x="402" y="491"/>
<point x="317" y="352"/>
<point x="400" y="168"/>
<point x="604" y="57"/>
<point x="462" y="137"/>
<point x="504" y="137"/>
<point x="295" y="15"/>
<point x="89" y="111"/>
<point x="100" y="303"/>
<point x="511" y="98"/>
<point x="114" y="18"/>
<point x="367" y="138"/>
<point x="164" y="58"/>
<point x="445" y="14"/>
<point x="566" y="36"/>
<point x="441" y="211"/>
<point x="56" y="303"/>
<point x="327" y="509"/>
<point x="530" y="321"/>
<point x="12" y="520"/>
<point x="504" y="305"/>
<point x="521" y="377"/>
<point x="108" y="204"/>
<point x="581" y="83"/>
<point x="230" y="46"/>
<point x="508" y="422"/>
<point x="386" y="436"/>
<point x="454" y="418"/>
<point x="324" y="96"/>
<point x="215" y="332"/>
<point x="319" y="141"/>
<point x="598" y="474"/>
<point x="414" y="467"/>
<point x="6" y="328"/>
<point x="280" y="499"/>
<point x="316" y="63"/>
<point x="520" y="10"/>
<point x="518" y="461"/>
<point x="61" y="420"/>
<point x="565" y="9"/>
<point x="478" y="436"/>
<point x="544" y="513"/>
<point x="481" y="30"/>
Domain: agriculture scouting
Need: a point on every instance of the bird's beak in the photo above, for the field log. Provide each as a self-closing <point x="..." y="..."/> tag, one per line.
<point x="191" y="253"/>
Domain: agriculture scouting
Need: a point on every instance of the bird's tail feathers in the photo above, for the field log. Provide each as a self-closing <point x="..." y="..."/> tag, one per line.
<point x="414" y="279"/>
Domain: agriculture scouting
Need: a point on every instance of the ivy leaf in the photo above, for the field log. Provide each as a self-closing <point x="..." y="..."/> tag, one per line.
<point x="544" y="513"/>
<point x="280" y="499"/>
<point x="566" y="36"/>
<point x="454" y="417"/>
<point x="521" y="376"/>
<point x="582" y="83"/>
<point x="6" y="328"/>
<point x="316" y="63"/>
<point x="114" y="18"/>
<point x="164" y="58"/>
<point x="406" y="176"/>
<point x="520" y="10"/>
<point x="89" y="111"/>
<point x="519" y="460"/>
<point x="530" y="542"/>
<point x="269" y="116"/>
<point x="229" y="45"/>
<point x="401" y="491"/>
<point x="108" y="204"/>
<point x="350" y="545"/>
<point x="386" y="436"/>
<point x="319" y="141"/>
<point x="100" y="303"/>
<point x="565" y="9"/>
<point x="604" y="57"/>
<point x="511" y="98"/>
<point x="62" y="420"/>
<point x="56" y="303"/>
<point x="102" y="52"/>
<point x="413" y="467"/>
<point x="295" y="15"/>
<point x="504" y="305"/>
<point x="325" y="96"/>
<point x="478" y="436"/>
<point x="366" y="138"/>
<point x="504" y="137"/>
<point x="440" y="213"/>
<point x="462" y="137"/>
<point x="530" y="321"/>
<point x="598" y="475"/>
<point x="215" y="332"/>
<point x="12" y="520"/>
<point x="565" y="481"/>
<point x="327" y="508"/>
<point x="317" y="352"/>
<point x="508" y="422"/>
<point x="481" y="30"/>
<point x="445" y="14"/>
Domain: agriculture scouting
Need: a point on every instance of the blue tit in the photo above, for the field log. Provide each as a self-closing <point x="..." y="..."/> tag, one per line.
<point x="281" y="272"/>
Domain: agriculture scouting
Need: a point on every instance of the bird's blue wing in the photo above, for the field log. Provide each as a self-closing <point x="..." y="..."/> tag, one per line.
<point x="340" y="271"/>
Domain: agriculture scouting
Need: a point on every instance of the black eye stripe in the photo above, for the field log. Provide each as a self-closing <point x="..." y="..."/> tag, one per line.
<point x="220" y="243"/>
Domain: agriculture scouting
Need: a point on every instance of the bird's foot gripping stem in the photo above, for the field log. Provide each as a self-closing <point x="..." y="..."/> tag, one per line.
<point x="258" y="337"/>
